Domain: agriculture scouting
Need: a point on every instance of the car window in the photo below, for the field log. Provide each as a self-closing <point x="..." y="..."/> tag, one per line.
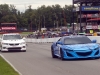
<point x="77" y="40"/>
<point x="11" y="37"/>
<point x="59" y="39"/>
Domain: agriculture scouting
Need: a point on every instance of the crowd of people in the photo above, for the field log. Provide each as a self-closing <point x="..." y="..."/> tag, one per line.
<point x="52" y="34"/>
<point x="48" y="35"/>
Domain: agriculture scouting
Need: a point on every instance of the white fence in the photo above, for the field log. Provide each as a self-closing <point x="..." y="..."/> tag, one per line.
<point x="50" y="40"/>
<point x="42" y="40"/>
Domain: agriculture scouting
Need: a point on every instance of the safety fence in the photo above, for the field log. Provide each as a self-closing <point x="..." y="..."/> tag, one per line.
<point x="50" y="40"/>
<point x="42" y="40"/>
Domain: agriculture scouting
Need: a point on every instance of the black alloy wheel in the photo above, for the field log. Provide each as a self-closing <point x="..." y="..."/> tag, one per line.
<point x="62" y="54"/>
<point x="52" y="52"/>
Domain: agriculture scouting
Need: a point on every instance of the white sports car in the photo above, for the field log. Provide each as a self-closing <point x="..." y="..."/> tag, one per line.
<point x="12" y="42"/>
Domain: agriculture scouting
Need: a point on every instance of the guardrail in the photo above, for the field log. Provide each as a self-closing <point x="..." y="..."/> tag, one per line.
<point x="50" y="40"/>
<point x="42" y="40"/>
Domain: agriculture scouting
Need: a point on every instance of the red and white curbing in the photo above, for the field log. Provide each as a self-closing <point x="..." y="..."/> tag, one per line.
<point x="10" y="64"/>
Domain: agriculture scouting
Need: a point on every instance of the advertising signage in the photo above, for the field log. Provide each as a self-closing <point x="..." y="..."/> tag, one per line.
<point x="89" y="15"/>
<point x="78" y="1"/>
<point x="8" y="28"/>
<point x="90" y="8"/>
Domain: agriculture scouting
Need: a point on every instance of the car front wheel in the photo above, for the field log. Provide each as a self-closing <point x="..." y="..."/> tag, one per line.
<point x="24" y="51"/>
<point x="52" y="52"/>
<point x="61" y="54"/>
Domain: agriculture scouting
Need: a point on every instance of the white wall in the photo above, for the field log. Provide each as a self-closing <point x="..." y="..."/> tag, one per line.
<point x="50" y="40"/>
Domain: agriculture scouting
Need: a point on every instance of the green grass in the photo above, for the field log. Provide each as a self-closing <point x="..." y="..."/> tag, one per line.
<point x="25" y="33"/>
<point x="6" y="69"/>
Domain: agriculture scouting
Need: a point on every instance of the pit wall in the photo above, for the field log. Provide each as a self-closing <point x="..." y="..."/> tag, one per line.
<point x="50" y="40"/>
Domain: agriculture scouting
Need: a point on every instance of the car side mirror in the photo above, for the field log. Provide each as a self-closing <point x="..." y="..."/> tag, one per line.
<point x="24" y="38"/>
<point x="59" y="42"/>
<point x="94" y="41"/>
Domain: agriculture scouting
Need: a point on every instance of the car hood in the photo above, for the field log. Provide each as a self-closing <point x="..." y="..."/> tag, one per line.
<point x="13" y="41"/>
<point x="90" y="46"/>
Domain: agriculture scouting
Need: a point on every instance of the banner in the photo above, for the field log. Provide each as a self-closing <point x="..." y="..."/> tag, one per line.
<point x="92" y="26"/>
<point x="78" y="1"/>
<point x="8" y="28"/>
<point x="90" y="8"/>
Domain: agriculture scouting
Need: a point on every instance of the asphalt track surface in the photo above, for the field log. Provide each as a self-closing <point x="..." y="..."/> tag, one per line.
<point x="38" y="61"/>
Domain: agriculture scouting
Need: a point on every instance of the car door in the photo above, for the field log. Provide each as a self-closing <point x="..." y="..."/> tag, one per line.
<point x="57" y="47"/>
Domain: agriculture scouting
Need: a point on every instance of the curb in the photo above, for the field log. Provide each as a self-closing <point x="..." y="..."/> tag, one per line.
<point x="10" y="64"/>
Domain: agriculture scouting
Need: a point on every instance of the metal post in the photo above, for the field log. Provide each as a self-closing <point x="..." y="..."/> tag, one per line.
<point x="31" y="24"/>
<point x="60" y="19"/>
<point x="44" y="20"/>
<point x="36" y="24"/>
<point x="57" y="25"/>
<point x="39" y="24"/>
<point x="73" y="17"/>
<point x="80" y="18"/>
<point x="54" y="24"/>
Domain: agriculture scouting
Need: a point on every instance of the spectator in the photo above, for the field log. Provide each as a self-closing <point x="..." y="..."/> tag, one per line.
<point x="95" y="33"/>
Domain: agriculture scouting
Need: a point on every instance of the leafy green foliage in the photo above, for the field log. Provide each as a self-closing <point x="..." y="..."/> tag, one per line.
<point x="44" y="16"/>
<point x="6" y="69"/>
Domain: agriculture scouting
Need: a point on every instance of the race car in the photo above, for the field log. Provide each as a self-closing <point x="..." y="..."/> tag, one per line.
<point x="12" y="42"/>
<point x="74" y="47"/>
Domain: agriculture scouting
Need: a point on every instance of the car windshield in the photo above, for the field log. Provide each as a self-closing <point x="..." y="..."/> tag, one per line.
<point x="77" y="40"/>
<point x="11" y="37"/>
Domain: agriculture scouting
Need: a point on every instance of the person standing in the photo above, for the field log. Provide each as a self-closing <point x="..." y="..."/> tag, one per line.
<point x="95" y="33"/>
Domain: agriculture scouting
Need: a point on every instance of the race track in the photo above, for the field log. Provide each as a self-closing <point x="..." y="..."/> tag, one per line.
<point x="38" y="61"/>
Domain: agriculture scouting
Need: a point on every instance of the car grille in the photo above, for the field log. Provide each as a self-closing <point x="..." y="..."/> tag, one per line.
<point x="97" y="52"/>
<point x="15" y="48"/>
<point x="83" y="54"/>
<point x="68" y="54"/>
<point x="14" y="44"/>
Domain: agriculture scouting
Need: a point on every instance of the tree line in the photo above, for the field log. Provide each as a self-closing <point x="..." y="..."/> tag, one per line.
<point x="44" y="16"/>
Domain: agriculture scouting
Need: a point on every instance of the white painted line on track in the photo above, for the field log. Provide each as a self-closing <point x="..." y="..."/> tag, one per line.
<point x="10" y="64"/>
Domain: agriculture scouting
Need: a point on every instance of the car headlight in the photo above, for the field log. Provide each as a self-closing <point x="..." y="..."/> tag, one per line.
<point x="96" y="48"/>
<point x="23" y="43"/>
<point x="5" y="44"/>
<point x="68" y="49"/>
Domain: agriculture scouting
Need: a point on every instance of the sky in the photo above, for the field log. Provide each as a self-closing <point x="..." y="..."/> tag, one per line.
<point x="22" y="5"/>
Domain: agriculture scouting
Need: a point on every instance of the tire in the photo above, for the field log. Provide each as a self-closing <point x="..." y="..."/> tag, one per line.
<point x="96" y="58"/>
<point x="2" y="51"/>
<point x="62" y="55"/>
<point x="24" y="51"/>
<point x="52" y="53"/>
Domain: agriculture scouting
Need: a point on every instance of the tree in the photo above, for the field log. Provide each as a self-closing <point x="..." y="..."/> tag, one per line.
<point x="44" y="16"/>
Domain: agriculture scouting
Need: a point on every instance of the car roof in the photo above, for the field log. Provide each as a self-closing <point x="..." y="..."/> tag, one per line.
<point x="74" y="36"/>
